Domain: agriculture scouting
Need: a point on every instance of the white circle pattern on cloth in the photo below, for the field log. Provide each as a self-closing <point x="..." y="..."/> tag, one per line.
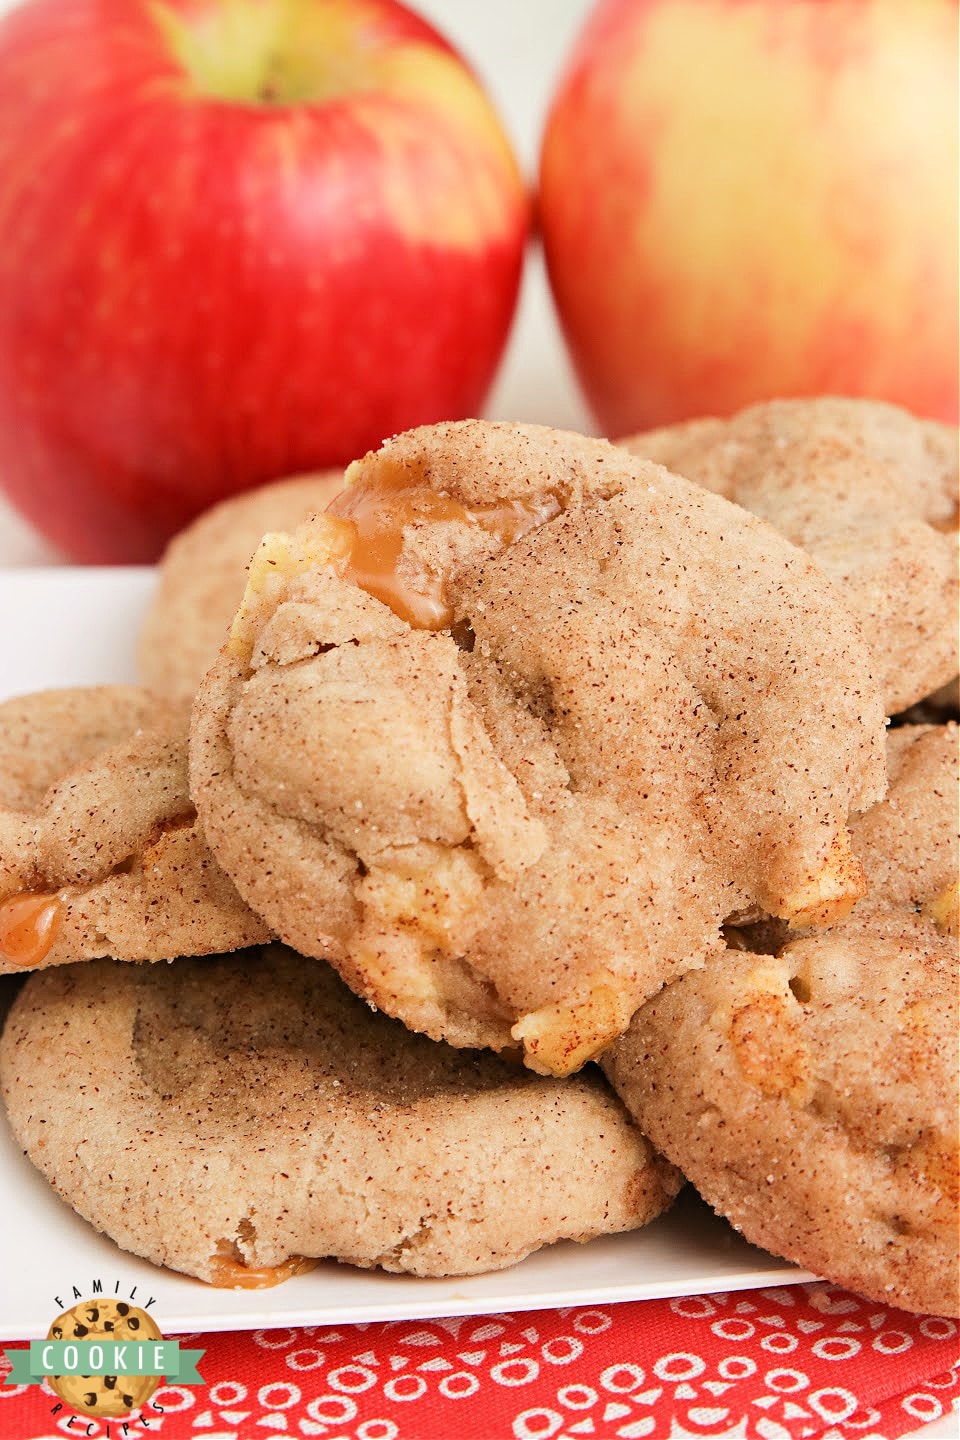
<point x="808" y="1362"/>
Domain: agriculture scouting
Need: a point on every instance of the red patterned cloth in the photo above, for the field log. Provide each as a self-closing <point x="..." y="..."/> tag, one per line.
<point x="777" y="1364"/>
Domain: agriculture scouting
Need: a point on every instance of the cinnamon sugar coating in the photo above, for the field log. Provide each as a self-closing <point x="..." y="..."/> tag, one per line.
<point x="908" y="842"/>
<point x="223" y="1116"/>
<point x="870" y="492"/>
<point x="98" y="835"/>
<point x="809" y="1088"/>
<point x="647" y="712"/>
<point x="811" y="1097"/>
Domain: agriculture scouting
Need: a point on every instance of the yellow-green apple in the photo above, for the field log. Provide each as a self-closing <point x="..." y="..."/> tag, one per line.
<point x="238" y="239"/>
<point x="748" y="198"/>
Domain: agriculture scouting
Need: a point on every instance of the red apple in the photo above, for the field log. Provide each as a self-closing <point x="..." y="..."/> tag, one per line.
<point x="239" y="239"/>
<point x="749" y="198"/>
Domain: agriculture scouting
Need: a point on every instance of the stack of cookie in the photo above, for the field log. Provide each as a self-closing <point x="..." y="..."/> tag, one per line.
<point x="552" y="755"/>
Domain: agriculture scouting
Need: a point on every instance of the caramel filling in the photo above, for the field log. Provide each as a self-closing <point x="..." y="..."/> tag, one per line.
<point x="947" y="524"/>
<point x="380" y="513"/>
<point x="229" y="1274"/>
<point x="28" y="927"/>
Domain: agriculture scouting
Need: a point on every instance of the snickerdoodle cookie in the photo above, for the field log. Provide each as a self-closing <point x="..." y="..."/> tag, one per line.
<point x="100" y="849"/>
<point x="811" y="1092"/>
<point x="908" y="842"/>
<point x="811" y="1097"/>
<point x="508" y="731"/>
<point x="231" y="1116"/>
<point x="201" y="576"/>
<point x="870" y="492"/>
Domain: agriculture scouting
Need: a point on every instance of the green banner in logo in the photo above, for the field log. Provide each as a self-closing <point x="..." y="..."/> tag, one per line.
<point x="103" y="1357"/>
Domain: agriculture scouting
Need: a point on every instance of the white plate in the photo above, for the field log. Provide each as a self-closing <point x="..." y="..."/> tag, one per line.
<point x="78" y="626"/>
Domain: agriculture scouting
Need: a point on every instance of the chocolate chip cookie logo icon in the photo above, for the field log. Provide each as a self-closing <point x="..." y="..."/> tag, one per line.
<point x="105" y="1358"/>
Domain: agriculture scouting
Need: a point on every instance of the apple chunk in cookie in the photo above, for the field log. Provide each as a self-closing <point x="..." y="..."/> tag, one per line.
<point x="509" y="730"/>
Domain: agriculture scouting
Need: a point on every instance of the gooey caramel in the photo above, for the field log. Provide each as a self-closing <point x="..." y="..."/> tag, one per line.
<point x="28" y="927"/>
<point x="379" y="514"/>
<point x="231" y="1275"/>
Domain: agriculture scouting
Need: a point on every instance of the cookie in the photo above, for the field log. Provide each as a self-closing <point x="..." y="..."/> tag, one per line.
<point x="107" y="1320"/>
<point x="870" y="492"/>
<point x="201" y="576"/>
<point x="100" y="849"/>
<point x="42" y="736"/>
<point x="508" y="731"/>
<point x="230" y="1116"/>
<point x="812" y="1099"/>
<point x="908" y="842"/>
<point x="935" y="709"/>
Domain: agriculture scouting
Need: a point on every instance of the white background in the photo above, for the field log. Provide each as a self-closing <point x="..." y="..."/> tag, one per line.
<point x="518" y="48"/>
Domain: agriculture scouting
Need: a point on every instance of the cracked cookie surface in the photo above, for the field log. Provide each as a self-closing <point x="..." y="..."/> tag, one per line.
<point x="870" y="492"/>
<point x="101" y="852"/>
<point x="133" y="1090"/>
<point x="202" y="572"/>
<point x="509" y="731"/>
